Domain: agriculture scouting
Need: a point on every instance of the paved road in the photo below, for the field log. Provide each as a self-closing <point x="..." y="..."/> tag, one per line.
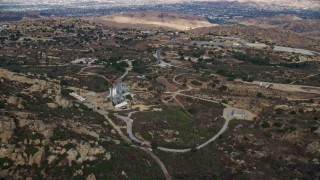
<point x="129" y="123"/>
<point x="81" y="72"/>
<point x="114" y="126"/>
<point x="162" y="166"/>
<point x="222" y="130"/>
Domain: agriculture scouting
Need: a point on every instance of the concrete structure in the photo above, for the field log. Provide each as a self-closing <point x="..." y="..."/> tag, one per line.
<point x="264" y="84"/>
<point x="238" y="114"/>
<point x="78" y="97"/>
<point x="87" y="61"/>
<point x="117" y="93"/>
<point x="122" y="105"/>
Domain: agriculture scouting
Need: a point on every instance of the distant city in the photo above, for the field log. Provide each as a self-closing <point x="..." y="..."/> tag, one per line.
<point x="213" y="11"/>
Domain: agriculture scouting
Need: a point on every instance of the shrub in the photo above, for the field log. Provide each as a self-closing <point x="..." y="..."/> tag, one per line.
<point x="277" y="124"/>
<point x="2" y="105"/>
<point x="154" y="145"/>
<point x="193" y="150"/>
<point x="223" y="88"/>
<point x="83" y="107"/>
<point x="265" y="125"/>
<point x="58" y="134"/>
<point x="31" y="149"/>
<point x="4" y="161"/>
<point x="196" y="83"/>
<point x="129" y="97"/>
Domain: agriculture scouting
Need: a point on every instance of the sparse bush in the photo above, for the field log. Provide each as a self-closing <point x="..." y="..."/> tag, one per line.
<point x="31" y="149"/>
<point x="265" y="125"/>
<point x="279" y="111"/>
<point x="292" y="129"/>
<point x="193" y="150"/>
<point x="129" y="97"/>
<point x="24" y="104"/>
<point x="58" y="134"/>
<point x="223" y="88"/>
<point x="277" y="124"/>
<point x="154" y="145"/>
<point x="293" y="112"/>
<point x="83" y="107"/>
<point x="196" y="83"/>
<point x="5" y="163"/>
<point x="2" y="105"/>
<point x="293" y="121"/>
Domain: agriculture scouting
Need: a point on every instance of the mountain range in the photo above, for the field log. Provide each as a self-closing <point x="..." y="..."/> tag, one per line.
<point x="288" y="3"/>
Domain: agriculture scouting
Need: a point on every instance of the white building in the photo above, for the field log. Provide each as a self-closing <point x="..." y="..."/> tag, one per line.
<point x="87" y="61"/>
<point x="264" y="84"/>
<point x="117" y="93"/>
<point x="78" y="97"/>
<point x="122" y="105"/>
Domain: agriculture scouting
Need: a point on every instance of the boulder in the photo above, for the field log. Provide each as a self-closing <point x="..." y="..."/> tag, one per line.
<point x="14" y="100"/>
<point x="7" y="126"/>
<point x="52" y="159"/>
<point x="52" y="105"/>
<point x="91" y="177"/>
<point x="282" y="107"/>
<point x="72" y="155"/>
<point x="6" y="151"/>
<point x="63" y="102"/>
<point x="18" y="159"/>
<point x="37" y="157"/>
<point x="313" y="147"/>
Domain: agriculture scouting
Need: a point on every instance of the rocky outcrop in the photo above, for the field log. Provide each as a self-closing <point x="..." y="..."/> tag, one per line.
<point x="91" y="177"/>
<point x="313" y="147"/>
<point x="51" y="159"/>
<point x="52" y="105"/>
<point x="6" y="150"/>
<point x="282" y="107"/>
<point x="82" y="129"/>
<point x="16" y="101"/>
<point x="37" y="84"/>
<point x="18" y="159"/>
<point x="37" y="157"/>
<point x="63" y="102"/>
<point x="7" y="126"/>
<point x="38" y="126"/>
<point x="72" y="155"/>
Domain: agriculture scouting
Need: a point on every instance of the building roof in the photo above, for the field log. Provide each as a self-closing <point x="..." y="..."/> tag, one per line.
<point x="121" y="105"/>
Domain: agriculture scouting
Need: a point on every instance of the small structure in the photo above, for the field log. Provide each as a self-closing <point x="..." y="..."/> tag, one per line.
<point x="239" y="114"/>
<point x="264" y="84"/>
<point x="78" y="97"/>
<point x="86" y="61"/>
<point x="122" y="105"/>
<point x="142" y="77"/>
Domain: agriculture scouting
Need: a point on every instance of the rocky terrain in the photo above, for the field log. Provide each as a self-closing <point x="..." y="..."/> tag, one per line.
<point x="310" y="28"/>
<point x="154" y="19"/>
<point x="272" y="36"/>
<point x="216" y="100"/>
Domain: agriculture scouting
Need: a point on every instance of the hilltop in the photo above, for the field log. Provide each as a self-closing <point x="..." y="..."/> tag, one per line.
<point x="154" y="19"/>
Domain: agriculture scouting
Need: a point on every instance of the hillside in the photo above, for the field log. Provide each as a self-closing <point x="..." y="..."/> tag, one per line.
<point x="267" y="35"/>
<point x="287" y="3"/>
<point x="154" y="19"/>
<point x="292" y="23"/>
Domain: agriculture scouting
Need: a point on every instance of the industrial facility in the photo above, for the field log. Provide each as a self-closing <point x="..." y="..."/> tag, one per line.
<point x="117" y="94"/>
